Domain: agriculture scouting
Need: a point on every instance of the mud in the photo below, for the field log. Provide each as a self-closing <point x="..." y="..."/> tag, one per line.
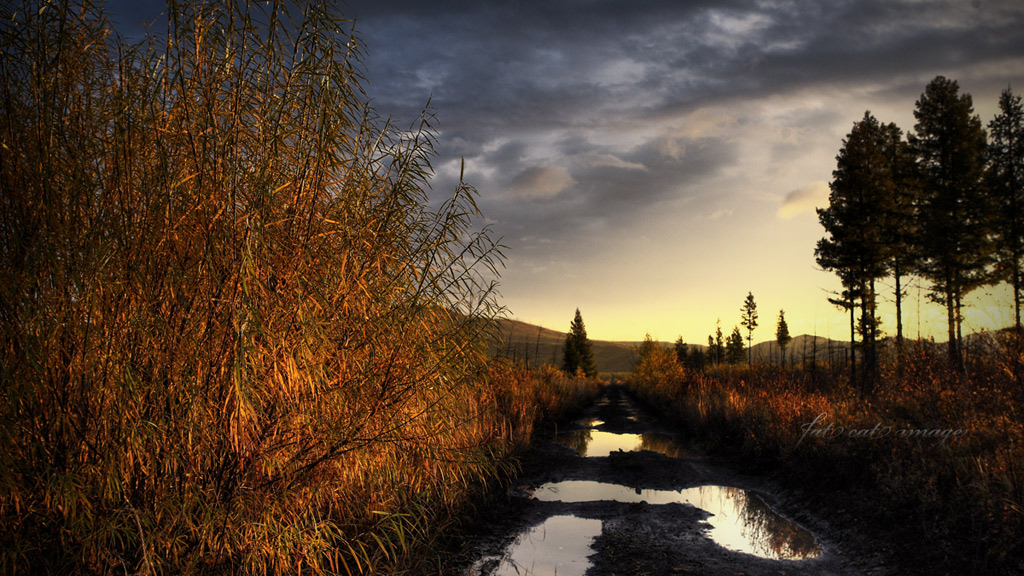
<point x="517" y="532"/>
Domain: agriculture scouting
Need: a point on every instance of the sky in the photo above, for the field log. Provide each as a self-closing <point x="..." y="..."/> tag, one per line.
<point x="651" y="162"/>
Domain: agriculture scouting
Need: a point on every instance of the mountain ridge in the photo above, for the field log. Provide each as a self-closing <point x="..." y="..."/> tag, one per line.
<point x="535" y="345"/>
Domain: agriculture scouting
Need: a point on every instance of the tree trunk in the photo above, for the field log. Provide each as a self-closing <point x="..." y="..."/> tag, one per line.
<point x="960" y="324"/>
<point x="899" y="311"/>
<point x="1016" y="291"/>
<point x="954" y="348"/>
<point x="872" y="373"/>
<point x="865" y="342"/>
<point x="853" y="344"/>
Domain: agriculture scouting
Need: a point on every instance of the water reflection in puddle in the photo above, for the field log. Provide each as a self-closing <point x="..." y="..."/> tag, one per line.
<point x="597" y="443"/>
<point x="558" y="546"/>
<point x="741" y="520"/>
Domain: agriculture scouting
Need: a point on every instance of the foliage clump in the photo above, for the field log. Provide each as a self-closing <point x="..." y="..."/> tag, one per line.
<point x="235" y="335"/>
<point x="656" y="362"/>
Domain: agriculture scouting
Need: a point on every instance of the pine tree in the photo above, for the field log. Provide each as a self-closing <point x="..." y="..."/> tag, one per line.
<point x="782" y="334"/>
<point x="749" y="322"/>
<point x="716" y="345"/>
<point x="1005" y="179"/>
<point x="570" y="355"/>
<point x="734" y="346"/>
<point x="577" y="355"/>
<point x="696" y="359"/>
<point x="954" y="212"/>
<point x="856" y="247"/>
<point x="682" y="351"/>
<point x="898" y="224"/>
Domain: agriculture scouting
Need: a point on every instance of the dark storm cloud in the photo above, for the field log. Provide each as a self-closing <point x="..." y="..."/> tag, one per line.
<point x="600" y="194"/>
<point x="506" y="78"/>
<point x="523" y="65"/>
<point x="506" y="60"/>
<point x="869" y="42"/>
<point x="564" y="110"/>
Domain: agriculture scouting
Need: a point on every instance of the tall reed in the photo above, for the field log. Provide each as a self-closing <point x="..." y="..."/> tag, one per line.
<point x="235" y="337"/>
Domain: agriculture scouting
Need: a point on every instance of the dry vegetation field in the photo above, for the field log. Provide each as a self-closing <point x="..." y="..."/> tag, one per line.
<point x="235" y="338"/>
<point x="934" y="457"/>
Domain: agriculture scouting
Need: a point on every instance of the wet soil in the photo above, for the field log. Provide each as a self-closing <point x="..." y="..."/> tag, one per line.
<point x="645" y="538"/>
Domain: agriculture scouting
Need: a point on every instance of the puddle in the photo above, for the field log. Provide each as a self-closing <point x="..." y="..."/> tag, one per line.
<point x="741" y="520"/>
<point x="558" y="546"/>
<point x="597" y="443"/>
<point x="666" y="444"/>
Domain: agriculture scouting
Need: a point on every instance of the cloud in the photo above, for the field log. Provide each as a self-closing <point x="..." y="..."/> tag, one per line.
<point x="674" y="148"/>
<point x="541" y="182"/>
<point x="804" y="199"/>
<point x="719" y="214"/>
<point x="625" y="117"/>
<point x="608" y="160"/>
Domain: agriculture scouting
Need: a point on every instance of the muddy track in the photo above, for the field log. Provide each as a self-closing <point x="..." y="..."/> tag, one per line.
<point x="673" y="504"/>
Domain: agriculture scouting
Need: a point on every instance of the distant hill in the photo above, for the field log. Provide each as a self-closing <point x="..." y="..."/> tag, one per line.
<point x="535" y="345"/>
<point x="803" y="346"/>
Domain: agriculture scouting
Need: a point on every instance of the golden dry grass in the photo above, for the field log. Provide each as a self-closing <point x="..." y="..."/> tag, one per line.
<point x="964" y="495"/>
<point x="235" y="337"/>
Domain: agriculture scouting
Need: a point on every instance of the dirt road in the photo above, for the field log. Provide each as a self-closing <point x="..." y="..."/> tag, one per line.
<point x="616" y="492"/>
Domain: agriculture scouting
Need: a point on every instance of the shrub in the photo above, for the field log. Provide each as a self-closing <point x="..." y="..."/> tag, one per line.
<point x="235" y="337"/>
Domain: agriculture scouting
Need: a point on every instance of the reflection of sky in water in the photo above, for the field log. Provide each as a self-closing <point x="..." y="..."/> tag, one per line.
<point x="597" y="443"/>
<point x="558" y="546"/>
<point x="741" y="520"/>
